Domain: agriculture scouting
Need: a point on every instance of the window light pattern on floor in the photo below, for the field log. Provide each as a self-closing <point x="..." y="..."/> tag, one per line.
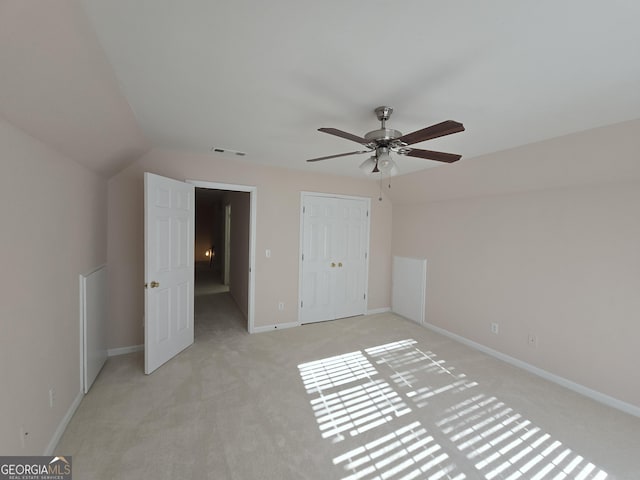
<point x="366" y="394"/>
<point x="407" y="453"/>
<point x="335" y="371"/>
<point x="353" y="409"/>
<point x="357" y="409"/>
<point x="412" y="367"/>
<point x="502" y="444"/>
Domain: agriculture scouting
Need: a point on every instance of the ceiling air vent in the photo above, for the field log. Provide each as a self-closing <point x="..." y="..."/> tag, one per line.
<point x="227" y="150"/>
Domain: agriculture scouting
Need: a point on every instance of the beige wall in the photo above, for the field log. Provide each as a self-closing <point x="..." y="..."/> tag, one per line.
<point x="239" y="252"/>
<point x="53" y="229"/>
<point x="59" y="86"/>
<point x="562" y="262"/>
<point x="278" y="229"/>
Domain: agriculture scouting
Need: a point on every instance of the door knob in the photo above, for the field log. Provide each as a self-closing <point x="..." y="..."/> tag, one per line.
<point x="154" y="284"/>
<point x="333" y="264"/>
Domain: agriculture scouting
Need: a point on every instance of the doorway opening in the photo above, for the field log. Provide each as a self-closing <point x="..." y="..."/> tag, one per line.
<point x="212" y="238"/>
<point x="224" y="255"/>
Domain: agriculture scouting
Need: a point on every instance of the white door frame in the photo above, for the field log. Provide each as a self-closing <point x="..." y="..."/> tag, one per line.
<point x="227" y="246"/>
<point x="253" y="191"/>
<point x="300" y="251"/>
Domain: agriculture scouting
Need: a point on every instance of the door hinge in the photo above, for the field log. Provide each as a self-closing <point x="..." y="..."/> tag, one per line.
<point x="304" y="209"/>
<point x="365" y="255"/>
<point x="365" y="296"/>
<point x="303" y="257"/>
<point x="301" y="303"/>
<point x="367" y="213"/>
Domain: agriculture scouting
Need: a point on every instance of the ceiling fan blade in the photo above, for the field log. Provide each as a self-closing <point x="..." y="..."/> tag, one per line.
<point x="431" y="155"/>
<point x="434" y="131"/>
<point x="341" y="134"/>
<point x="338" y="155"/>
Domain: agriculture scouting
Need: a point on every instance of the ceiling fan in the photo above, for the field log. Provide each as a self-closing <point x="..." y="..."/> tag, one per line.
<point x="386" y="140"/>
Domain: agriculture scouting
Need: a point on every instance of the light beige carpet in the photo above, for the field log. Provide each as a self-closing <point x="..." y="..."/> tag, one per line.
<point x="208" y="280"/>
<point x="359" y="398"/>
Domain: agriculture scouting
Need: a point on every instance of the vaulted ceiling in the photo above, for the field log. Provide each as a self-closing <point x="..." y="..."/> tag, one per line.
<point x="105" y="80"/>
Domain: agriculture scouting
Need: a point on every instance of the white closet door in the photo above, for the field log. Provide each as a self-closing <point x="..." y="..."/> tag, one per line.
<point x="317" y="271"/>
<point x="334" y="257"/>
<point x="349" y="252"/>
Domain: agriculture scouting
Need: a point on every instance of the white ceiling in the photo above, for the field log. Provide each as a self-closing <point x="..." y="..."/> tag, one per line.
<point x="261" y="77"/>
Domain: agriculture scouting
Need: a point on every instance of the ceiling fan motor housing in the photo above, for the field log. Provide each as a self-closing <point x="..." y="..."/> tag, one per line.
<point x="383" y="136"/>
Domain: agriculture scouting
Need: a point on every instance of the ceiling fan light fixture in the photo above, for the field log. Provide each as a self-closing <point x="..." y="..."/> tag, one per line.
<point x="390" y="168"/>
<point x="369" y="165"/>
<point x="385" y="163"/>
<point x="383" y="155"/>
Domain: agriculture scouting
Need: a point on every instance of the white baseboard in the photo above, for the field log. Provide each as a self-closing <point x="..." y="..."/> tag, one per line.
<point x="112" y="352"/>
<point x="374" y="311"/>
<point x="62" y="426"/>
<point x="576" y="387"/>
<point x="269" y="328"/>
<point x="281" y="326"/>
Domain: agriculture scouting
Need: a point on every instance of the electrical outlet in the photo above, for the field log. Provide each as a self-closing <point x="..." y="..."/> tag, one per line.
<point x="52" y="397"/>
<point x="281" y="306"/>
<point x="532" y="341"/>
<point x="495" y="328"/>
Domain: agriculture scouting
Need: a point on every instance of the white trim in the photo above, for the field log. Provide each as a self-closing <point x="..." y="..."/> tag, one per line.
<point x="94" y="270"/>
<point x="576" y="387"/>
<point x="375" y="311"/>
<point x="232" y="187"/>
<point x="253" y="193"/>
<point x="300" y="253"/>
<point x="114" y="352"/>
<point x="279" y="326"/>
<point x="62" y="426"/>
<point x="333" y="195"/>
<point x="367" y="239"/>
<point x="227" y="244"/>
<point x="81" y="316"/>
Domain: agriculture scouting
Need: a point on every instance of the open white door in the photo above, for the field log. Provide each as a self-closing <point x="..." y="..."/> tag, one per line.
<point x="169" y="242"/>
